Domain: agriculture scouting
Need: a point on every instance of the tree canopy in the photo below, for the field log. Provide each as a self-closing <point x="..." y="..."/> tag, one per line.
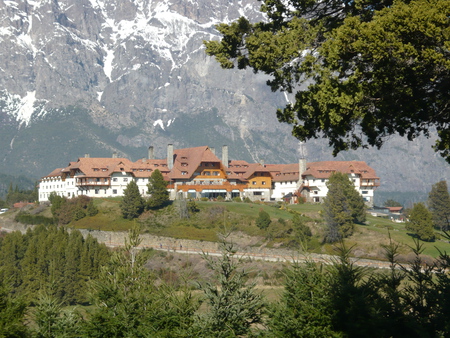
<point x="439" y="204"/>
<point x="361" y="70"/>
<point x="157" y="189"/>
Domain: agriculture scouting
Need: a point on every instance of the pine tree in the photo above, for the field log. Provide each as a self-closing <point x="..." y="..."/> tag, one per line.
<point x="234" y="306"/>
<point x="439" y="205"/>
<point x="157" y="189"/>
<point x="337" y="210"/>
<point x="421" y="222"/>
<point x="263" y="221"/>
<point x="132" y="204"/>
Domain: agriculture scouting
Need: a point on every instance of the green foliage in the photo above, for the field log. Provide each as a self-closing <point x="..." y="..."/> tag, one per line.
<point x="344" y="53"/>
<point x="247" y="200"/>
<point x="391" y="203"/>
<point x="52" y="321"/>
<point x="304" y="309"/>
<point x="157" y="189"/>
<point x="439" y="205"/>
<point x="192" y="207"/>
<point x="421" y="222"/>
<point x="128" y="303"/>
<point x="48" y="255"/>
<point x="337" y="209"/>
<point x="26" y="218"/>
<point x="67" y="210"/>
<point x="263" y="221"/>
<point x="132" y="204"/>
<point x="233" y="306"/>
<point x="303" y="232"/>
<point x="12" y="312"/>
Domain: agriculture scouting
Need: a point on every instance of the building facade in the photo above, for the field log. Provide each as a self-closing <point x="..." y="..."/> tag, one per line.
<point x="199" y="173"/>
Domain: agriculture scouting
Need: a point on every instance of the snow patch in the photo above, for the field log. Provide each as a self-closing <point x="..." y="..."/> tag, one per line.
<point x="23" y="108"/>
<point x="160" y="123"/>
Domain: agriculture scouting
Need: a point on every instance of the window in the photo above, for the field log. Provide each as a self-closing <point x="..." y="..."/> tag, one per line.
<point x="254" y="182"/>
<point x="263" y="182"/>
<point x="103" y="169"/>
<point x="125" y="179"/>
<point x="184" y="173"/>
<point x="115" y="191"/>
<point x="364" y="192"/>
<point x="257" y="193"/>
<point x="96" y="169"/>
<point x="98" y="180"/>
<point x="97" y="191"/>
<point x="316" y="192"/>
<point x="115" y="179"/>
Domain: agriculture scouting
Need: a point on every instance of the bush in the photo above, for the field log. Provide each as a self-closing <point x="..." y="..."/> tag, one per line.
<point x="247" y="200"/>
<point x="25" y="218"/>
<point x="237" y="199"/>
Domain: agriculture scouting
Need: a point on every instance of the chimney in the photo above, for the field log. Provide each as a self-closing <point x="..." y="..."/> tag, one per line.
<point x="262" y="163"/>
<point x="150" y="153"/>
<point x="213" y="150"/>
<point x="225" y="155"/>
<point x="87" y="155"/>
<point x="170" y="156"/>
<point x="114" y="155"/>
<point x="301" y="168"/>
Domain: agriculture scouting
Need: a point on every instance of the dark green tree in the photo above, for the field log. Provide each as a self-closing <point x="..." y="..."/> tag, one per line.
<point x="391" y="203"/>
<point x="157" y="189"/>
<point x="234" y="307"/>
<point x="439" y="205"/>
<point x="338" y="57"/>
<point x="53" y="321"/>
<point x="132" y="204"/>
<point x="302" y="231"/>
<point x="12" y="312"/>
<point x="421" y="222"/>
<point x="305" y="306"/>
<point x="263" y="221"/>
<point x="337" y="209"/>
<point x="129" y="304"/>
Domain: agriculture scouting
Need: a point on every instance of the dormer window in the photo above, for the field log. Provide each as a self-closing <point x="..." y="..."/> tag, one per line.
<point x="184" y="173"/>
<point x="96" y="169"/>
<point x="103" y="169"/>
<point x="121" y="169"/>
<point x="184" y="164"/>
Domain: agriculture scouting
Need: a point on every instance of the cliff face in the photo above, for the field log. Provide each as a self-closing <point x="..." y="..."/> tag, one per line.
<point x="91" y="76"/>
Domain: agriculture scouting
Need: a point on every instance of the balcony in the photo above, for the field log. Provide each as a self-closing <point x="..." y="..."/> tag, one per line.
<point x="92" y="182"/>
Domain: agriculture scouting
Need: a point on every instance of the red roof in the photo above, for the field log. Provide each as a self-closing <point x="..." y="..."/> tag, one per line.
<point x="326" y="168"/>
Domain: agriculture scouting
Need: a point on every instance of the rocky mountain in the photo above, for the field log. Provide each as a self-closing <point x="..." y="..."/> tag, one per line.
<point x="104" y="76"/>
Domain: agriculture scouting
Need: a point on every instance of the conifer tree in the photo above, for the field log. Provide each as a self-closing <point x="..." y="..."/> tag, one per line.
<point x="234" y="307"/>
<point x="439" y="204"/>
<point x="132" y="204"/>
<point x="337" y="210"/>
<point x="157" y="189"/>
<point x="263" y="221"/>
<point x="421" y="222"/>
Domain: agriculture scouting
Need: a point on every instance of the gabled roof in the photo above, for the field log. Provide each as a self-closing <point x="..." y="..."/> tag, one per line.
<point x="55" y="173"/>
<point x="189" y="159"/>
<point x="326" y="168"/>
<point x="101" y="167"/>
<point x="284" y="172"/>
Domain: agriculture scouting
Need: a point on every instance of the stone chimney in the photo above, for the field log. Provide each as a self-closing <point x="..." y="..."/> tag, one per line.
<point x="225" y="155"/>
<point x="170" y="156"/>
<point x="87" y="155"/>
<point x="301" y="168"/>
<point x="213" y="150"/>
<point x="151" y="155"/>
<point x="114" y="155"/>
